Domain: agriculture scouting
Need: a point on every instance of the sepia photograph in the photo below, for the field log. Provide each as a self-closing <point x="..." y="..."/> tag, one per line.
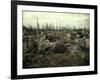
<point x="55" y="39"/>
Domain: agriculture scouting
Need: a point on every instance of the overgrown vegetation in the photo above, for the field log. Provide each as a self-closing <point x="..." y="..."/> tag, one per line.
<point x="52" y="47"/>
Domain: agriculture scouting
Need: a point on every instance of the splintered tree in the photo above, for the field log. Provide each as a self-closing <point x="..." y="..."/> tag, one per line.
<point x="37" y="28"/>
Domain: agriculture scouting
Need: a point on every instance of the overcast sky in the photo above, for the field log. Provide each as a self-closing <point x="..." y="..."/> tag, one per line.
<point x="78" y="20"/>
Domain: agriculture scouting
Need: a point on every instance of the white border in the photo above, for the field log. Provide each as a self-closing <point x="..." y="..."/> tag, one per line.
<point x="21" y="71"/>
